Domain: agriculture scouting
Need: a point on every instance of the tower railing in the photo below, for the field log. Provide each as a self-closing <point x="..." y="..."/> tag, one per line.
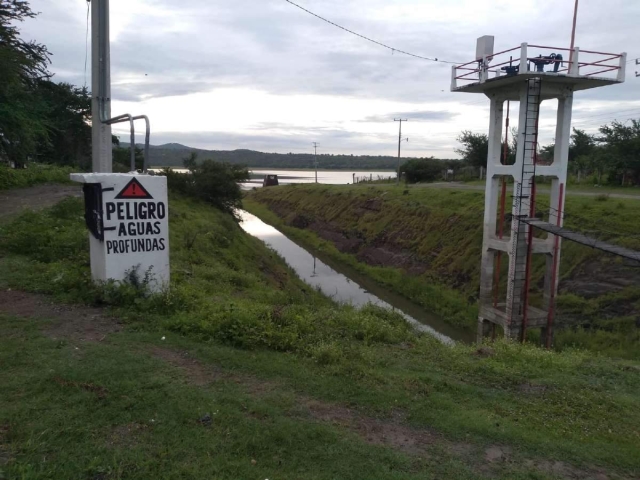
<point x="534" y="58"/>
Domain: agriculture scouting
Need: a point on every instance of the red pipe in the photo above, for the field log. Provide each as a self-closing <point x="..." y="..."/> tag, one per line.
<point x="603" y="71"/>
<point x="600" y="53"/>
<point x="550" y="48"/>
<point x="600" y="61"/>
<point x="493" y="55"/>
<point x="527" y="281"/>
<point x="502" y="208"/>
<point x="552" y="296"/>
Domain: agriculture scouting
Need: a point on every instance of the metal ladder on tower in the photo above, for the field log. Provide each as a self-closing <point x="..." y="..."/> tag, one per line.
<point x="525" y="207"/>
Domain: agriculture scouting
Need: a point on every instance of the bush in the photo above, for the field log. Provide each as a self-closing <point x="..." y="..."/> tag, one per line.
<point x="213" y="182"/>
<point x="422" y="170"/>
<point x="57" y="234"/>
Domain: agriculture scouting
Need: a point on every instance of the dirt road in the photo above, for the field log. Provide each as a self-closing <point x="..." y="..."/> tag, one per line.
<point x="34" y="198"/>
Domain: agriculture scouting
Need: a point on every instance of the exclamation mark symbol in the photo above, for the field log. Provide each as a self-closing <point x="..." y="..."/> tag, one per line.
<point x="134" y="190"/>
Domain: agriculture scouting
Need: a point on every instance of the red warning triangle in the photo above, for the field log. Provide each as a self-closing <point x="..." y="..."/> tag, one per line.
<point x="134" y="189"/>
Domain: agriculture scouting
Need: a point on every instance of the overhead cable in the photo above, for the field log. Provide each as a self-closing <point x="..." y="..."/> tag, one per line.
<point x="393" y="50"/>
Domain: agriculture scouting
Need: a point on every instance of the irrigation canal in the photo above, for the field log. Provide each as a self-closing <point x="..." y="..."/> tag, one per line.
<point x="344" y="284"/>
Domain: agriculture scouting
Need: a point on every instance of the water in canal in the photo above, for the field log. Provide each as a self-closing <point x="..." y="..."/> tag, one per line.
<point x="345" y="285"/>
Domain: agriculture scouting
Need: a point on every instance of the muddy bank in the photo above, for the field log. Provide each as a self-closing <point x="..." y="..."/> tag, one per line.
<point x="386" y="248"/>
<point x="438" y="237"/>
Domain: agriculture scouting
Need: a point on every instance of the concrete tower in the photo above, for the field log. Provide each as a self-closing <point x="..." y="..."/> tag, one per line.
<point x="537" y="74"/>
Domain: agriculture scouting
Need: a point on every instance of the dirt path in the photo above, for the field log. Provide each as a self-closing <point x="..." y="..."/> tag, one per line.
<point x="72" y="322"/>
<point x="34" y="198"/>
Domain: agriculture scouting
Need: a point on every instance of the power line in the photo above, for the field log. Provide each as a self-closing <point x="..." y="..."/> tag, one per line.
<point x="630" y="111"/>
<point x="393" y="50"/>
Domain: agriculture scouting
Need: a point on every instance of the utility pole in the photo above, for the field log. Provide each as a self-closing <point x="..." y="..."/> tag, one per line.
<point x="573" y="34"/>
<point x="315" y="158"/>
<point x="637" y="63"/>
<point x="400" y="143"/>
<point x="100" y="86"/>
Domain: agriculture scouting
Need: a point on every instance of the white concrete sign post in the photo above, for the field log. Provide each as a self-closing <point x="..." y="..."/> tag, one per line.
<point x="127" y="214"/>
<point x="128" y="219"/>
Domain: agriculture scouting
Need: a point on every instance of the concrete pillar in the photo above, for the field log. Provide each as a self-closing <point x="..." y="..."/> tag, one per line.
<point x="100" y="63"/>
<point x="556" y="202"/>
<point x="484" y="330"/>
<point x="492" y="192"/>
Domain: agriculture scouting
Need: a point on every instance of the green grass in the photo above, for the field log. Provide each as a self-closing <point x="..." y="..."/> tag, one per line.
<point x="273" y="346"/>
<point x="443" y="229"/>
<point x="33" y="175"/>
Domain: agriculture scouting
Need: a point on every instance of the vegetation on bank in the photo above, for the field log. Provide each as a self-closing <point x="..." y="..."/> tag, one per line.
<point x="34" y="174"/>
<point x="296" y="384"/>
<point x="425" y="244"/>
<point x="212" y="182"/>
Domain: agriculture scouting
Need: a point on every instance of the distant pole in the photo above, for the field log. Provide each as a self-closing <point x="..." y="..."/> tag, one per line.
<point x="573" y="34"/>
<point x="399" y="143"/>
<point x="315" y="158"/>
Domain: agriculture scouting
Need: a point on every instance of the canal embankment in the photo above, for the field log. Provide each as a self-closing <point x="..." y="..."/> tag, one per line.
<point x="425" y="245"/>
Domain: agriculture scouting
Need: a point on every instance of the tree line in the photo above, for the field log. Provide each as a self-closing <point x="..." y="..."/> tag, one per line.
<point x="611" y="156"/>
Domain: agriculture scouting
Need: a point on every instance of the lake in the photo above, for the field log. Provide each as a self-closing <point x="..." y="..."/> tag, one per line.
<point x="330" y="177"/>
<point x="333" y="177"/>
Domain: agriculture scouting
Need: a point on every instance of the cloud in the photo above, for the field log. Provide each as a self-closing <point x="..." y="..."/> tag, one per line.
<point x="420" y="116"/>
<point x="162" y="49"/>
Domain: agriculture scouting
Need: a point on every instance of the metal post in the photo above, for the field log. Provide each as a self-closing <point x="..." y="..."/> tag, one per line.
<point x="399" y="143"/>
<point x="315" y="158"/>
<point x="573" y="33"/>
<point x="101" y="87"/>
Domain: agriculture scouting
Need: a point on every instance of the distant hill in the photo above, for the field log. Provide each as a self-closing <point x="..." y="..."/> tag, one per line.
<point x="173" y="155"/>
<point x="172" y="146"/>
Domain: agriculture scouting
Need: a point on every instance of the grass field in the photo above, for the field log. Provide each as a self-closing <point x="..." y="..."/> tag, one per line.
<point x="440" y="230"/>
<point x="33" y="175"/>
<point x="241" y="371"/>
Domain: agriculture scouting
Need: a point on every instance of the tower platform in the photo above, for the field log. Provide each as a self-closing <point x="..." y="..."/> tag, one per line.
<point x="500" y="72"/>
<point x="508" y="86"/>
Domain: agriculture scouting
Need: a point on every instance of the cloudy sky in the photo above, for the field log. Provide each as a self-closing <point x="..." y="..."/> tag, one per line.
<point x="264" y="75"/>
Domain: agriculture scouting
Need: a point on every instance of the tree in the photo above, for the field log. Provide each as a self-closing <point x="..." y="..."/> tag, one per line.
<point x="22" y="65"/>
<point x="582" y="144"/>
<point x="122" y="159"/>
<point x="622" y="146"/>
<point x="475" y="148"/>
<point x="68" y="112"/>
<point x="422" y="169"/>
<point x="214" y="182"/>
<point x="547" y="153"/>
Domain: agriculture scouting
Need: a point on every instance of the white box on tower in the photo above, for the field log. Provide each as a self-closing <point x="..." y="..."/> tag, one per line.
<point x="484" y="47"/>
